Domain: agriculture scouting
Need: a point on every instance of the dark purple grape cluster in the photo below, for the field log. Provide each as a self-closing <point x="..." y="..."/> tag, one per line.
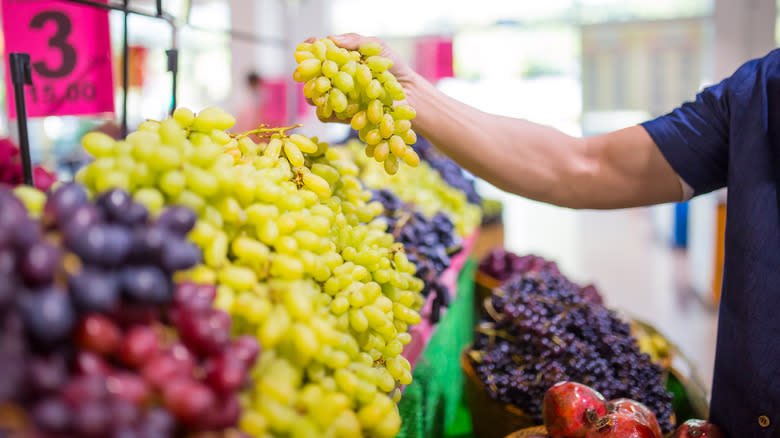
<point x="95" y="339"/>
<point x="449" y="170"/>
<point x="539" y="330"/>
<point x="429" y="243"/>
<point x="503" y="265"/>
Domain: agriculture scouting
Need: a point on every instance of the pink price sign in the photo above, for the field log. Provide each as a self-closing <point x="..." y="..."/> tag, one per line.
<point x="70" y="56"/>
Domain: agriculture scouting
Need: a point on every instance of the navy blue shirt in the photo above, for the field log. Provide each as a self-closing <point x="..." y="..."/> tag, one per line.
<point x="729" y="137"/>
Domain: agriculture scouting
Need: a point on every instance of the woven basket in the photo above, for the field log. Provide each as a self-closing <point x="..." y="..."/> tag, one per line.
<point x="490" y="418"/>
<point x="483" y="288"/>
<point x="531" y="432"/>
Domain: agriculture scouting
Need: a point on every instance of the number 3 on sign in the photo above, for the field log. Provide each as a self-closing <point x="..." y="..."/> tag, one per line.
<point x="70" y="51"/>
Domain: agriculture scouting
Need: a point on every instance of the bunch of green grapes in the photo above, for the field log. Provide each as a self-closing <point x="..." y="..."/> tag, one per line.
<point x="289" y="235"/>
<point x="430" y="192"/>
<point x="357" y="86"/>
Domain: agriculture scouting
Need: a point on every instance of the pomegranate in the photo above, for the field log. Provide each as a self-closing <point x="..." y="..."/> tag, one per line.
<point x="620" y="425"/>
<point x="571" y="408"/>
<point x="628" y="406"/>
<point x="698" y="429"/>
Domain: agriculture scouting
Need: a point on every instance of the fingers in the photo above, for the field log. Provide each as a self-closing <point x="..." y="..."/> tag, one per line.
<point x="350" y="41"/>
<point x="310" y="40"/>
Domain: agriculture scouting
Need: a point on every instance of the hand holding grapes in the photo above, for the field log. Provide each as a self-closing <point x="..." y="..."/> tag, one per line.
<point x="359" y="86"/>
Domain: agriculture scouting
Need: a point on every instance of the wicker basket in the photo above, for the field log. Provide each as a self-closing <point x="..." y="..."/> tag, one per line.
<point x="531" y="432"/>
<point x="490" y="418"/>
<point x="483" y="288"/>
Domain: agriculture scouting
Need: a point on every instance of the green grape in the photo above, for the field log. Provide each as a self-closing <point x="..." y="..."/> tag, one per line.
<point x="338" y="101"/>
<point x="344" y="82"/>
<point x="309" y="68"/>
<point x="381" y="151"/>
<point x="374" y="112"/>
<point x="370" y="48"/>
<point x="98" y="144"/>
<point x="293" y="153"/>
<point x="404" y="112"/>
<point x="172" y="182"/>
<point x="302" y="55"/>
<point x="304" y="143"/>
<point x="329" y="68"/>
<point x="374" y="90"/>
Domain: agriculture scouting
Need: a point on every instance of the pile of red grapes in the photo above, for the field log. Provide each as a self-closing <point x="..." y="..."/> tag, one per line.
<point x="429" y="244"/>
<point x="11" y="168"/>
<point x="449" y="170"/>
<point x="539" y="329"/>
<point x="96" y="340"/>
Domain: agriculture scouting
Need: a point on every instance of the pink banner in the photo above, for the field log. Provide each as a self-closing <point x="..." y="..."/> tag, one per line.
<point x="70" y="52"/>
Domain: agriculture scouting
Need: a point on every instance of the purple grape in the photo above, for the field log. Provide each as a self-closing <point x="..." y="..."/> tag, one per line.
<point x="27" y="234"/>
<point x="82" y="218"/>
<point x="145" y="284"/>
<point x="39" y="264"/>
<point x="118" y="247"/>
<point x="102" y="245"/>
<point x="62" y="203"/>
<point x="179" y="220"/>
<point x="123" y="413"/>
<point x="135" y="214"/>
<point x="179" y="255"/>
<point x="94" y="290"/>
<point x="47" y="374"/>
<point x="92" y="419"/>
<point x="48" y="315"/>
<point x="148" y="243"/>
<point x="158" y="421"/>
<point x="114" y="204"/>
<point x="51" y="415"/>
<point x="12" y="377"/>
<point x="12" y="214"/>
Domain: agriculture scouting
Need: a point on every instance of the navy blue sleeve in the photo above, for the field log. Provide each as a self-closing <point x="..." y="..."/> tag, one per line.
<point x="694" y="138"/>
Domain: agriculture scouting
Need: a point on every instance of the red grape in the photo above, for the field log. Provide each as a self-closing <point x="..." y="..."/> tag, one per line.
<point x="188" y="400"/>
<point x="88" y="363"/>
<point x="225" y="373"/>
<point x="99" y="334"/>
<point x="139" y="345"/>
<point x="246" y="348"/>
<point x="128" y="386"/>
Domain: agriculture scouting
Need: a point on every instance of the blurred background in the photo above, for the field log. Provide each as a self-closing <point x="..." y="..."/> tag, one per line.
<point x="582" y="66"/>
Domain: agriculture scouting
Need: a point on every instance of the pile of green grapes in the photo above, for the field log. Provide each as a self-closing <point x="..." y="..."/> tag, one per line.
<point x="357" y="86"/>
<point x="289" y="236"/>
<point x="430" y="192"/>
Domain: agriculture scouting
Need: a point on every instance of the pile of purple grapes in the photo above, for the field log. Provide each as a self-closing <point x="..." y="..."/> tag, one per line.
<point x="502" y="265"/>
<point x="539" y="329"/>
<point x="96" y="341"/>
<point x="449" y="170"/>
<point x="429" y="243"/>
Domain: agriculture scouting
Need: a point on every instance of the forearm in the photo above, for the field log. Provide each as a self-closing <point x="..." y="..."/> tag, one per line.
<point x="531" y="160"/>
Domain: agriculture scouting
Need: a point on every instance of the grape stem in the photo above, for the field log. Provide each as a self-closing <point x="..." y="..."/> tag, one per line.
<point x="265" y="131"/>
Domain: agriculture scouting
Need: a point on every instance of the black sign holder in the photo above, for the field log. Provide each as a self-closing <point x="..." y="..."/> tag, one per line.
<point x="21" y="75"/>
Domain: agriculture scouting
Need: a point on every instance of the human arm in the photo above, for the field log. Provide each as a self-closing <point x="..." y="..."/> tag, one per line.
<point x="620" y="169"/>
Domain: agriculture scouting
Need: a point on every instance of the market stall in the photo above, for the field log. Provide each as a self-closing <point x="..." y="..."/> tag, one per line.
<point x="194" y="281"/>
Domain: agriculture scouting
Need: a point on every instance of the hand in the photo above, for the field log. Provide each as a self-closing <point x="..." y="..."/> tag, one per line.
<point x="353" y="41"/>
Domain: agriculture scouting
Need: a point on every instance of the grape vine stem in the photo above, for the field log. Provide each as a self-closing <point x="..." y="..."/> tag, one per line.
<point x="266" y="131"/>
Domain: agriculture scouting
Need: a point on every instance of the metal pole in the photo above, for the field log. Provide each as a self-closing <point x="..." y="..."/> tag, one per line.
<point x="125" y="72"/>
<point x="173" y="67"/>
<point x="21" y="75"/>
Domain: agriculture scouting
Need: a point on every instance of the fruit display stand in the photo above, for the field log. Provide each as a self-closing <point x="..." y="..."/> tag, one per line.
<point x="431" y="402"/>
<point x="424" y="331"/>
